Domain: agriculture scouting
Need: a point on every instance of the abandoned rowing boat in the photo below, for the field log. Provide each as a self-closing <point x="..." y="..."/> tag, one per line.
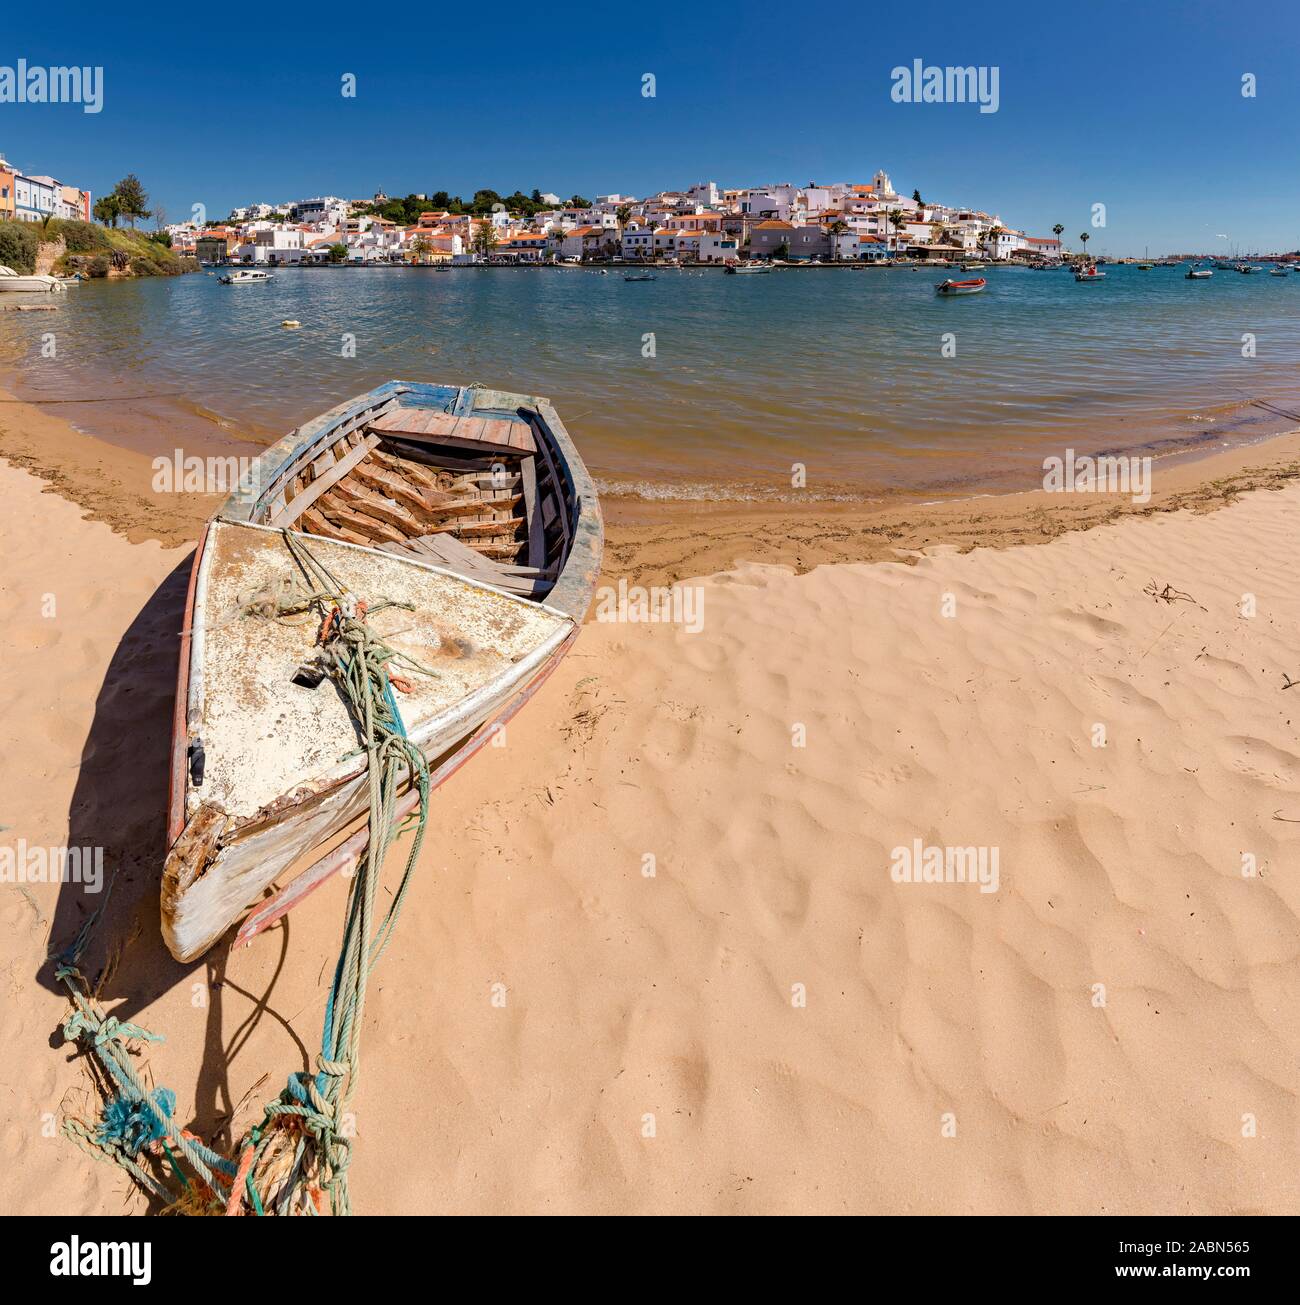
<point x="470" y="507"/>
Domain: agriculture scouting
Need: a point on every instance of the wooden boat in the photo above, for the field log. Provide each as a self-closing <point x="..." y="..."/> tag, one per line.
<point x="473" y="506"/>
<point x="245" y="278"/>
<point x="961" y="287"/>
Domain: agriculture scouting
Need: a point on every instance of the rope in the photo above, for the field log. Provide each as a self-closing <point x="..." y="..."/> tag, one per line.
<point x="296" y="1158"/>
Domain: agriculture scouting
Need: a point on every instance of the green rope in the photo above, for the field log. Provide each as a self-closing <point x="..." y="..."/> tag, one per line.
<point x="300" y="1146"/>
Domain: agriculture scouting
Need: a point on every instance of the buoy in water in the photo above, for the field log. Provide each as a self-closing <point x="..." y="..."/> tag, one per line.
<point x="291" y="323"/>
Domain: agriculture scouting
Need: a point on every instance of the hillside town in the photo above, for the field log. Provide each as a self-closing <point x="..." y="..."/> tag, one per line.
<point x="704" y="224"/>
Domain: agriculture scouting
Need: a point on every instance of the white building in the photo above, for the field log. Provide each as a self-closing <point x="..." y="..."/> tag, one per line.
<point x="35" y="198"/>
<point x="638" y="242"/>
<point x="718" y="247"/>
<point x="328" y="210"/>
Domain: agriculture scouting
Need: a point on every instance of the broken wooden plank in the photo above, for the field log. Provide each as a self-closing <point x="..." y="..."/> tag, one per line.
<point x="288" y="515"/>
<point x="373" y="531"/>
<point x="368" y="503"/>
<point x="317" y="523"/>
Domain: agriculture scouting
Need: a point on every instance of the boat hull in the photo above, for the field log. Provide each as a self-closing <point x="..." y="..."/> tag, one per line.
<point x="222" y="861"/>
<point x="28" y="285"/>
<point x="950" y="289"/>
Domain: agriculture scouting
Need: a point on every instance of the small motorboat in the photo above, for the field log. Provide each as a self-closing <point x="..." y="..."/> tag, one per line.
<point x="460" y="523"/>
<point x="1089" y="272"/>
<point x="1277" y="271"/>
<point x="640" y="276"/>
<point x="951" y="287"/>
<point x="747" y="269"/>
<point x="1199" y="274"/>
<point x="19" y="283"/>
<point x="973" y="267"/>
<point x="245" y="278"/>
<point x="1246" y="269"/>
<point x="1145" y="267"/>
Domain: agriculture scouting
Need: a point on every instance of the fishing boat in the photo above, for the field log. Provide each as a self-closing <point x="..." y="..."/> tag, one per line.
<point x="1089" y="272"/>
<point x="467" y="507"/>
<point x="20" y="283"/>
<point x="951" y="287"/>
<point x="1199" y="274"/>
<point x="640" y="276"/>
<point x="244" y="278"/>
<point x="747" y="269"/>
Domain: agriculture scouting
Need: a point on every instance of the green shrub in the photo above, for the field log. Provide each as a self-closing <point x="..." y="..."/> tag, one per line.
<point x="19" y="242"/>
<point x="81" y="237"/>
<point x="85" y="264"/>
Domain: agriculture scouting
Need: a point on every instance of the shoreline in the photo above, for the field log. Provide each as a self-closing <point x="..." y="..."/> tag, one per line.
<point x="670" y="997"/>
<point x="668" y="540"/>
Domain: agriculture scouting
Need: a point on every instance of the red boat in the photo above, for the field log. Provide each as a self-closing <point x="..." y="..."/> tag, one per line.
<point x="961" y="287"/>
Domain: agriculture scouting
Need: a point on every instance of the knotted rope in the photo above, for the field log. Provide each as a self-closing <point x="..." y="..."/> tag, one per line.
<point x="298" y="1154"/>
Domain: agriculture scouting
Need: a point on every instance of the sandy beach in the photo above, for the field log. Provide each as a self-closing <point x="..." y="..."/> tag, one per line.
<point x="655" y="959"/>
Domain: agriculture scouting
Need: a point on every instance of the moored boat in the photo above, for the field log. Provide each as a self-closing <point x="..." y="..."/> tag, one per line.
<point x="467" y="508"/>
<point x="950" y="287"/>
<point x="36" y="283"/>
<point x="1199" y="274"/>
<point x="747" y="269"/>
<point x="245" y="278"/>
<point x="640" y="276"/>
<point x="1277" y="271"/>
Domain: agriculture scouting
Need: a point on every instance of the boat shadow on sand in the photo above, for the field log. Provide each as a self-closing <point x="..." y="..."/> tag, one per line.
<point x="119" y="804"/>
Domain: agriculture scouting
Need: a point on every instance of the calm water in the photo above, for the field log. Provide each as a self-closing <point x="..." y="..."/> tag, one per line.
<point x="840" y="370"/>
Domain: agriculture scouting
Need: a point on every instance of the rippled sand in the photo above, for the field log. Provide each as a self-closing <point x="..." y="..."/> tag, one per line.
<point x="796" y="1030"/>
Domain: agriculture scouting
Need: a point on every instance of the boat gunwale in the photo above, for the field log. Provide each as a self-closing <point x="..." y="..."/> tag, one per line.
<point x="445" y="734"/>
<point x="576" y="582"/>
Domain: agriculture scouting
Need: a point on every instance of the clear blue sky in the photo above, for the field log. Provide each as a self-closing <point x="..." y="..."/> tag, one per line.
<point x="1135" y="105"/>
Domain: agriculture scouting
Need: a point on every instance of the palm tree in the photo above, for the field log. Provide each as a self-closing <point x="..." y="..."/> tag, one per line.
<point x="897" y="220"/>
<point x="1083" y="235"/>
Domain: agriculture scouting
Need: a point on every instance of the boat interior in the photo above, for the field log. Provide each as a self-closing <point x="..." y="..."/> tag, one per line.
<point x="482" y="495"/>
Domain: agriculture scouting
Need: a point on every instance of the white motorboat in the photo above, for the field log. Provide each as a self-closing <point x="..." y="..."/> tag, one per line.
<point x="19" y="283"/>
<point x="747" y="269"/>
<point x="245" y="278"/>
